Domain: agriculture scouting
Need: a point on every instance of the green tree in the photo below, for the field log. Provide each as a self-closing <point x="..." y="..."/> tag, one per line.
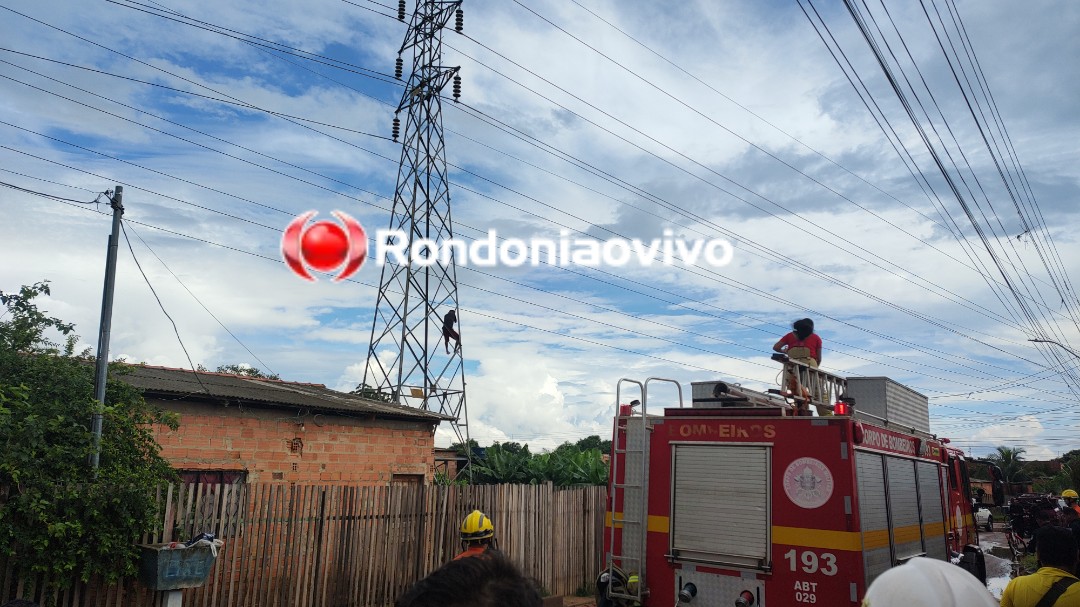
<point x="1055" y="483"/>
<point x="567" y="465"/>
<point x="373" y="393"/>
<point x="500" y="465"/>
<point x="246" y="371"/>
<point x="56" y="515"/>
<point x="594" y="442"/>
<point x="1010" y="460"/>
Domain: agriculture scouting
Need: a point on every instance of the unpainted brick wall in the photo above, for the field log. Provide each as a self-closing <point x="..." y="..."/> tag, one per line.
<point x="287" y="446"/>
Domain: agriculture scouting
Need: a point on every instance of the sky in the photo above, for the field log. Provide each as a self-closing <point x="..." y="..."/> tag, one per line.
<point x="930" y="250"/>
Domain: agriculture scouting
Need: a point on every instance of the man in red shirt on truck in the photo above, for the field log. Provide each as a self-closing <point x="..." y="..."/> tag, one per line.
<point x="801" y="345"/>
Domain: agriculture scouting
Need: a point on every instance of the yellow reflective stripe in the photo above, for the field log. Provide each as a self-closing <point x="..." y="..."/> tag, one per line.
<point x="658" y="524"/>
<point x="909" y="533"/>
<point x="822" y="538"/>
<point x="875" y="539"/>
<point x="818" y="538"/>
<point x="933" y="529"/>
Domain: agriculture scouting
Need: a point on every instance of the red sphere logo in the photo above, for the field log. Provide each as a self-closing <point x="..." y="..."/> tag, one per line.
<point x="324" y="246"/>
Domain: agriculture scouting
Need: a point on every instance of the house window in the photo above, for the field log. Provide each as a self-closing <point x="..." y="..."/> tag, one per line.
<point x="407" y="479"/>
<point x="213" y="477"/>
<point x="218" y="504"/>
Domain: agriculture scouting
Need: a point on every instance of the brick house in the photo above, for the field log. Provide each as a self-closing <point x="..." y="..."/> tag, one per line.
<point x="242" y="429"/>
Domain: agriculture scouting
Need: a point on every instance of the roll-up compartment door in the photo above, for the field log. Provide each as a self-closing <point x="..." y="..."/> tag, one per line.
<point x="930" y="502"/>
<point x="904" y="508"/>
<point x="720" y="504"/>
<point x="873" y="514"/>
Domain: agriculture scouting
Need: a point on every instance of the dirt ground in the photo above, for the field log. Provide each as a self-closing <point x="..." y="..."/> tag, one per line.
<point x="577" y="601"/>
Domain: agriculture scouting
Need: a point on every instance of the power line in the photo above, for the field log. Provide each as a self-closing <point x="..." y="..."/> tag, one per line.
<point x="257" y="41"/>
<point x="518" y="323"/>
<point x="60" y="198"/>
<point x="882" y="302"/>
<point x="1035" y="325"/>
<point x="199" y="301"/>
<point x="162" y="307"/>
<point x="546" y="308"/>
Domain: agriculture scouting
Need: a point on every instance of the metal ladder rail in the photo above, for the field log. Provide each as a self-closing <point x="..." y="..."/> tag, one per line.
<point x="617" y="490"/>
<point x="642" y="586"/>
<point x="822" y="385"/>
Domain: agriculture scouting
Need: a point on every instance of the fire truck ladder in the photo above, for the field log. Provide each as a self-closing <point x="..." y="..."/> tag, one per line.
<point x="632" y="493"/>
<point x="823" y="386"/>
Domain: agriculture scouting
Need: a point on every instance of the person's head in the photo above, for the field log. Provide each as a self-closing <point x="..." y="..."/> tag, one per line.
<point x="1056" y="547"/>
<point x="1044" y="517"/>
<point x="477" y="529"/>
<point x="803" y="328"/>
<point x="1070" y="496"/>
<point x="483" y="581"/>
<point x="926" y="582"/>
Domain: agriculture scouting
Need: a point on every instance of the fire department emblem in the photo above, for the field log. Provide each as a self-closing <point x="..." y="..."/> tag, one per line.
<point x="808" y="482"/>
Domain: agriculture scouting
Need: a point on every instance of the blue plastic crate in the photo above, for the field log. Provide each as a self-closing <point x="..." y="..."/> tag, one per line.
<point x="162" y="568"/>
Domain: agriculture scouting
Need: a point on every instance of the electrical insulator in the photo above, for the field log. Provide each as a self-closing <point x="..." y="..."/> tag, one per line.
<point x="397" y="128"/>
<point x="459" y="20"/>
<point x="457" y="87"/>
<point x="397" y="68"/>
<point x="401" y="10"/>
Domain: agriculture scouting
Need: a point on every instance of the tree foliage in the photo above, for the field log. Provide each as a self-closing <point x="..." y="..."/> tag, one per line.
<point x="569" y="464"/>
<point x="373" y="393"/>
<point x="246" y="371"/>
<point x="56" y="515"/>
<point x="1011" y="462"/>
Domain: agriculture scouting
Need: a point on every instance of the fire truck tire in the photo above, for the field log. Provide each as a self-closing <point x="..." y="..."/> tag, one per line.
<point x="989" y="523"/>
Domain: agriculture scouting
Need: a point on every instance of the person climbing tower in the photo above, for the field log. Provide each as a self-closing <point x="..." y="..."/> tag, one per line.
<point x="449" y="332"/>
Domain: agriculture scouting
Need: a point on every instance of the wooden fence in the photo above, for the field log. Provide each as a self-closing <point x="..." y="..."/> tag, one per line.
<point x="333" y="546"/>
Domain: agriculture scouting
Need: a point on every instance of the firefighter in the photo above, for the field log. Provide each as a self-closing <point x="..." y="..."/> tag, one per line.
<point x="1070" y="498"/>
<point x="477" y="535"/>
<point x="804" y="346"/>
<point x="927" y="582"/>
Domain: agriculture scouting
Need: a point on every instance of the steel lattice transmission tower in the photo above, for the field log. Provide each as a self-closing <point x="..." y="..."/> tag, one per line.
<point x="406" y="361"/>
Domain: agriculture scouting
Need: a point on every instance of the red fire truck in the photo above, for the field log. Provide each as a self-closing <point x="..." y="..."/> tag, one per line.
<point x="743" y="499"/>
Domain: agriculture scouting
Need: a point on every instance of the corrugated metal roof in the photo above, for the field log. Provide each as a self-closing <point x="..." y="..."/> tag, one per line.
<point x="166" y="381"/>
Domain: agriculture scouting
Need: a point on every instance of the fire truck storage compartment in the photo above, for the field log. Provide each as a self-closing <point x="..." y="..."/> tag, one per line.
<point x="884" y="399"/>
<point x="900" y="511"/>
<point x="720" y="504"/>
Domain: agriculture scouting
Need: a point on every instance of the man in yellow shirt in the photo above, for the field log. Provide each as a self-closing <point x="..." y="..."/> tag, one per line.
<point x="1057" y="553"/>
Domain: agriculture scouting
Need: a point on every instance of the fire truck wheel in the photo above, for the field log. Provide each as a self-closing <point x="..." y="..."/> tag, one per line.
<point x="989" y="523"/>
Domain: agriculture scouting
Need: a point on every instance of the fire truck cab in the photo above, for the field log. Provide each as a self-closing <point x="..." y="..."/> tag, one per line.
<point x="739" y="500"/>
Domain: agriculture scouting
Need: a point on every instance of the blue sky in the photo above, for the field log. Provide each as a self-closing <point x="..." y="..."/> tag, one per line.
<point x="727" y="120"/>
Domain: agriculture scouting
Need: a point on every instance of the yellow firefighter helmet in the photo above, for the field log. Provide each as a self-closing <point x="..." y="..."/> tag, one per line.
<point x="476" y="526"/>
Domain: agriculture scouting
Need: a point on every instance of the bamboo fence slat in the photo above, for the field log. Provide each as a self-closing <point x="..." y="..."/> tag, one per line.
<point x="340" y="546"/>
